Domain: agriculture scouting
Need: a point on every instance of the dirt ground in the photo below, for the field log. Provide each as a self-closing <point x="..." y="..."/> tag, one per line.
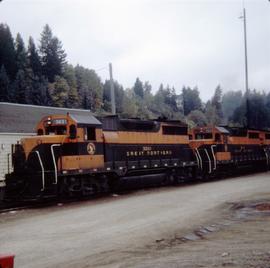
<point x="216" y="224"/>
<point x="241" y="238"/>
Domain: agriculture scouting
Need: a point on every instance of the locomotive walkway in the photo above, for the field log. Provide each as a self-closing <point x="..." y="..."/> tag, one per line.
<point x="108" y="232"/>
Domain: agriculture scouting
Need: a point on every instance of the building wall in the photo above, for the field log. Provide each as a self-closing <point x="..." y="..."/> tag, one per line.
<point x="6" y="140"/>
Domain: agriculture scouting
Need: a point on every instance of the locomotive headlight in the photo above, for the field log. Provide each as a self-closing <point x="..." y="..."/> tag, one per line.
<point x="49" y="122"/>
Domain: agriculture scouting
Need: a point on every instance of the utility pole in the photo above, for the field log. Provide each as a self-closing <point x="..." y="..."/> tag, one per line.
<point x="246" y="66"/>
<point x="112" y="90"/>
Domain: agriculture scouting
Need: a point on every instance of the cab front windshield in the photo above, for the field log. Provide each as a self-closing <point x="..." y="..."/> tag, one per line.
<point x="203" y="136"/>
<point x="56" y="130"/>
<point x="56" y="127"/>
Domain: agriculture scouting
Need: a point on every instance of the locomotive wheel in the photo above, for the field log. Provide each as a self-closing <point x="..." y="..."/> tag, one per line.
<point x="67" y="186"/>
<point x="76" y="186"/>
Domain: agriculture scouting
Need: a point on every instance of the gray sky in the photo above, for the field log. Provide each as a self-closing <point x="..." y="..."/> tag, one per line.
<point x="175" y="42"/>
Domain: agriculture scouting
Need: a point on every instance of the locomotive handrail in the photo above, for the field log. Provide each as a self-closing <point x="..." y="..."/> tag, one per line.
<point x="8" y="162"/>
<point x="42" y="169"/>
<point x="54" y="162"/>
<point x="198" y="161"/>
<point x="199" y="157"/>
<point x="214" y="157"/>
<point x="210" y="166"/>
<point x="266" y="155"/>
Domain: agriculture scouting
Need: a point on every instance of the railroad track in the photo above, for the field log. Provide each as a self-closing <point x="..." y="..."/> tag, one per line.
<point x="7" y="210"/>
<point x="6" y="207"/>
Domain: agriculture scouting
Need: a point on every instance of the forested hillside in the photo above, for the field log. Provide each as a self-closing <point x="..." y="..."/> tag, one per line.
<point x="40" y="74"/>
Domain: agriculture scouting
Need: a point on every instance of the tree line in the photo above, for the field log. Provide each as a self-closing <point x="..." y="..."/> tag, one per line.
<point x="41" y="75"/>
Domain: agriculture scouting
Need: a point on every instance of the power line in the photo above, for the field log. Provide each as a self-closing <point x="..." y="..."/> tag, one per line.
<point x="102" y="68"/>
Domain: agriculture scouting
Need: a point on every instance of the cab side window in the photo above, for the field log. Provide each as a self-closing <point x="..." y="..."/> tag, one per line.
<point x="39" y="132"/>
<point x="253" y="135"/>
<point x="217" y="137"/>
<point x="90" y="133"/>
<point x="72" y="131"/>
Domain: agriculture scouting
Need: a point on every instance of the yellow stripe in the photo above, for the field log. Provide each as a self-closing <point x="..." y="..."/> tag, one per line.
<point x="81" y="162"/>
<point x="123" y="137"/>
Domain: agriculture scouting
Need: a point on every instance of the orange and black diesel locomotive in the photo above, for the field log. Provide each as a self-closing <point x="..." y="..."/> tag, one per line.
<point x="230" y="149"/>
<point x="75" y="155"/>
<point x="81" y="155"/>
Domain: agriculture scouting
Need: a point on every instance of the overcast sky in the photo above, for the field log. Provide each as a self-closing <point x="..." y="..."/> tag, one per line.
<point x="175" y="42"/>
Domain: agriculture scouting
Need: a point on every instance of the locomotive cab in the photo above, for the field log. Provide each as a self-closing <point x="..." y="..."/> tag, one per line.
<point x="209" y="134"/>
<point x="64" y="145"/>
<point x="54" y="125"/>
<point x="81" y="147"/>
<point x="210" y="148"/>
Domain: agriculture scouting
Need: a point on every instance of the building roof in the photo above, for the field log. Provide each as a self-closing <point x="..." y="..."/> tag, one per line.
<point x="83" y="119"/>
<point x="222" y="130"/>
<point x="22" y="118"/>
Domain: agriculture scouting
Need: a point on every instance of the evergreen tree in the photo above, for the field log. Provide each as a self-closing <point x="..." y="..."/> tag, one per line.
<point x="7" y="51"/>
<point x="149" y="100"/>
<point x="216" y="102"/>
<point x="211" y="114"/>
<point x="147" y="88"/>
<point x="170" y="98"/>
<point x="267" y="101"/>
<point x="90" y="88"/>
<point x="58" y="57"/>
<point x="129" y="105"/>
<point x="20" y="52"/>
<point x="94" y="90"/>
<point x="84" y="102"/>
<point x="44" y="48"/>
<point x="73" y="97"/>
<point x="53" y="57"/>
<point x="198" y="118"/>
<point x="191" y="100"/>
<point x="33" y="58"/>
<point x="239" y="116"/>
<point x="59" y="92"/>
<point x="164" y="103"/>
<point x="22" y="87"/>
<point x="258" y="114"/>
<point x="40" y="93"/>
<point x="4" y="84"/>
<point x="138" y="88"/>
<point x="70" y="75"/>
<point x="258" y="111"/>
<point x="230" y="101"/>
<point x="82" y="87"/>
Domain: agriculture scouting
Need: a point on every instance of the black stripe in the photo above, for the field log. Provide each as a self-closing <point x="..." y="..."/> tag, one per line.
<point x="80" y="148"/>
<point x="135" y="152"/>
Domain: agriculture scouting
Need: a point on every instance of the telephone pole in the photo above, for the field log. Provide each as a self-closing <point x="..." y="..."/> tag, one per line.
<point x="246" y="66"/>
<point x="112" y="90"/>
<point x="245" y="40"/>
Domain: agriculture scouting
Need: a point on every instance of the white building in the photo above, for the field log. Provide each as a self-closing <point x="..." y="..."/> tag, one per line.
<point x="18" y="121"/>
